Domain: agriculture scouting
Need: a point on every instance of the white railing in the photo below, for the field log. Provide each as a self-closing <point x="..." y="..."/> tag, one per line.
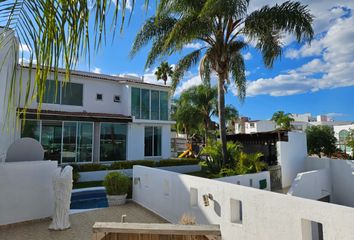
<point x="242" y="212"/>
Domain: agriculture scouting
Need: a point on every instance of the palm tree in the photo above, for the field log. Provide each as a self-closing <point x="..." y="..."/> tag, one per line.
<point x="231" y="116"/>
<point x="283" y="120"/>
<point x="55" y="33"/>
<point x="164" y="71"/>
<point x="225" y="29"/>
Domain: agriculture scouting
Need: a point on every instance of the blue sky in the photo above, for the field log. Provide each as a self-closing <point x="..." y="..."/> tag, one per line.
<point x="318" y="78"/>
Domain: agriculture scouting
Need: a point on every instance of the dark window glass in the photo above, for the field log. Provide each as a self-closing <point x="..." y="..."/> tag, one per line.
<point x="152" y="141"/>
<point x="163" y="106"/>
<point x="69" y="142"/>
<point x="148" y="141"/>
<point x="135" y="102"/>
<point x="84" y="142"/>
<point x="31" y="129"/>
<point x="72" y="94"/>
<point x="145" y="104"/>
<point x="113" y="142"/>
<point x="99" y="97"/>
<point x="51" y="139"/>
<point x="51" y="92"/>
<point x="157" y="141"/>
<point x="155" y="105"/>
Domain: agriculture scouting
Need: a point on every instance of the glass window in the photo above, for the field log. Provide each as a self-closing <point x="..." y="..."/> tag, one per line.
<point x="51" y="139"/>
<point x="155" y="99"/>
<point x="163" y="106"/>
<point x="51" y="92"/>
<point x="31" y="129"/>
<point x="148" y="141"/>
<point x="72" y="94"/>
<point x="84" y="142"/>
<point x="113" y="142"/>
<point x="135" y="102"/>
<point x="145" y="104"/>
<point x="152" y="141"/>
<point x="69" y="142"/>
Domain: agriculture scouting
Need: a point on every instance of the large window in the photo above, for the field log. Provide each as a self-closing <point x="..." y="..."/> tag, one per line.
<point x="149" y="104"/>
<point x="63" y="93"/>
<point x="152" y="141"/>
<point x="65" y="142"/>
<point x="113" y="142"/>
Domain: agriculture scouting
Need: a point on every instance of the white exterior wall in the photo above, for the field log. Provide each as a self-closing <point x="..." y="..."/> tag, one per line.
<point x="26" y="191"/>
<point x="341" y="175"/>
<point x="312" y="185"/>
<point x="292" y="156"/>
<point x="259" y="126"/>
<point x="265" y="215"/>
<point x="248" y="180"/>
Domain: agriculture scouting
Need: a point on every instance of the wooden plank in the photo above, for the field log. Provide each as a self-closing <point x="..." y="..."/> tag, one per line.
<point x="161" y="229"/>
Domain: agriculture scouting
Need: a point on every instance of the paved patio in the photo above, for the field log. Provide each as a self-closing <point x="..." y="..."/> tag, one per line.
<point x="81" y="224"/>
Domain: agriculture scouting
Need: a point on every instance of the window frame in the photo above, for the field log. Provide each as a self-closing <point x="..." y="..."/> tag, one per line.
<point x="153" y="142"/>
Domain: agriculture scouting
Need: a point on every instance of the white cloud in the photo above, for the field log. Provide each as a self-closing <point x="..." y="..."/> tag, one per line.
<point x="247" y="73"/>
<point x="335" y="114"/>
<point x="193" y="81"/>
<point x="247" y="56"/>
<point x="150" y="77"/>
<point x="97" y="70"/>
<point x="128" y="4"/>
<point x="331" y="67"/>
<point x="196" y="45"/>
<point x="24" y="48"/>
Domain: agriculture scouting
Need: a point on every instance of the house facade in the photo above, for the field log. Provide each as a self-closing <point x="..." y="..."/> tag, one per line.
<point x="93" y="118"/>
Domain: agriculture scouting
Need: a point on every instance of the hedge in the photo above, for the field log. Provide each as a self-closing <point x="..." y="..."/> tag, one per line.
<point x="89" y="167"/>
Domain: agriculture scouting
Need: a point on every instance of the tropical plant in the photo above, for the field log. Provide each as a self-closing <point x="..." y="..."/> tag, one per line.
<point x="213" y="151"/>
<point x="250" y="163"/>
<point x="116" y="183"/>
<point x="225" y="28"/>
<point x="55" y="34"/>
<point x="283" y="120"/>
<point x="350" y="141"/>
<point x="321" y="139"/>
<point x="163" y="72"/>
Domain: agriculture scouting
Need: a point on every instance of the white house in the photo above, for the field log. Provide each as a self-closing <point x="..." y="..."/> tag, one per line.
<point x="254" y="126"/>
<point x="341" y="133"/>
<point x="92" y="118"/>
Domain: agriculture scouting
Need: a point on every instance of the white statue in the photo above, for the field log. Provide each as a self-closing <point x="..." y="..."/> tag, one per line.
<point x="63" y="184"/>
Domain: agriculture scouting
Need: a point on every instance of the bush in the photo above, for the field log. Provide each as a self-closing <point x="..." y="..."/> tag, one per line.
<point x="90" y="167"/>
<point x="116" y="183"/>
<point x="76" y="177"/>
<point x="177" y="162"/>
<point x="321" y="140"/>
<point x="130" y="164"/>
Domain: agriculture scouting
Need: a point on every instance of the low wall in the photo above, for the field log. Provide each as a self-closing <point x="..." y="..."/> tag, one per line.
<point x="99" y="175"/>
<point x="249" y="180"/>
<point x="312" y="185"/>
<point x="26" y="191"/>
<point x="242" y="212"/>
<point x="342" y="177"/>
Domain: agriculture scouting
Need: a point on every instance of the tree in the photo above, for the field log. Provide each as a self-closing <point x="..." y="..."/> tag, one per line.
<point x="350" y="140"/>
<point x="202" y="99"/>
<point x="164" y="71"/>
<point x="224" y="28"/>
<point x="321" y="139"/>
<point x="55" y="33"/>
<point x="231" y="116"/>
<point x="283" y="120"/>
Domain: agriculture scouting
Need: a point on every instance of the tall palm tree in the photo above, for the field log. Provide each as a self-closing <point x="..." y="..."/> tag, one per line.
<point x="164" y="71"/>
<point x="231" y="116"/>
<point x="225" y="29"/>
<point x="55" y="33"/>
<point x="283" y="120"/>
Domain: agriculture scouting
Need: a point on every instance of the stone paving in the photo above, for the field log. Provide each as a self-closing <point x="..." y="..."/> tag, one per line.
<point x="81" y="224"/>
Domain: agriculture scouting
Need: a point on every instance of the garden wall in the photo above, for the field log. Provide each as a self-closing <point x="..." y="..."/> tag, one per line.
<point x="259" y="180"/>
<point x="242" y="212"/>
<point x="26" y="191"/>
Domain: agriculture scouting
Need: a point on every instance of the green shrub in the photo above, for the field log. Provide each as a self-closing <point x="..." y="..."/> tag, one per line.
<point x="116" y="183"/>
<point x="130" y="164"/>
<point x="177" y="162"/>
<point x="76" y="177"/>
<point x="90" y="167"/>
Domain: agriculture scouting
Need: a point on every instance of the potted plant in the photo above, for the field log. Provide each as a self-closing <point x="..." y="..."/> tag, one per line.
<point x="117" y="186"/>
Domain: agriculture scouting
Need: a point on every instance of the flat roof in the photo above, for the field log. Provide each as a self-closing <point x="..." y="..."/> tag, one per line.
<point x="105" y="77"/>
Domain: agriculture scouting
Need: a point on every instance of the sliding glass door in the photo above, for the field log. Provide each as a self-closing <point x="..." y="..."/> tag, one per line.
<point x="153" y="142"/>
<point x="113" y="146"/>
<point x="51" y="139"/>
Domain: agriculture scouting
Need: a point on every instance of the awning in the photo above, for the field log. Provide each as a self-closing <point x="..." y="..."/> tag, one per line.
<point x="73" y="116"/>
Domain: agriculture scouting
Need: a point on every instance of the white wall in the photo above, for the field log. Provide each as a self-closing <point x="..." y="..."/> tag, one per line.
<point x="26" y="191"/>
<point x="248" y="179"/>
<point x="292" y="156"/>
<point x="265" y="215"/>
<point x="341" y="175"/>
<point x="312" y="185"/>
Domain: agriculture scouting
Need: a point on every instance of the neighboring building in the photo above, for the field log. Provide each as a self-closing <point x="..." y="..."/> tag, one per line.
<point x="94" y="118"/>
<point x="341" y="133"/>
<point x="244" y="125"/>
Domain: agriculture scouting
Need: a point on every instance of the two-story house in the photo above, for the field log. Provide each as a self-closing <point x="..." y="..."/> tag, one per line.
<point x="93" y="118"/>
